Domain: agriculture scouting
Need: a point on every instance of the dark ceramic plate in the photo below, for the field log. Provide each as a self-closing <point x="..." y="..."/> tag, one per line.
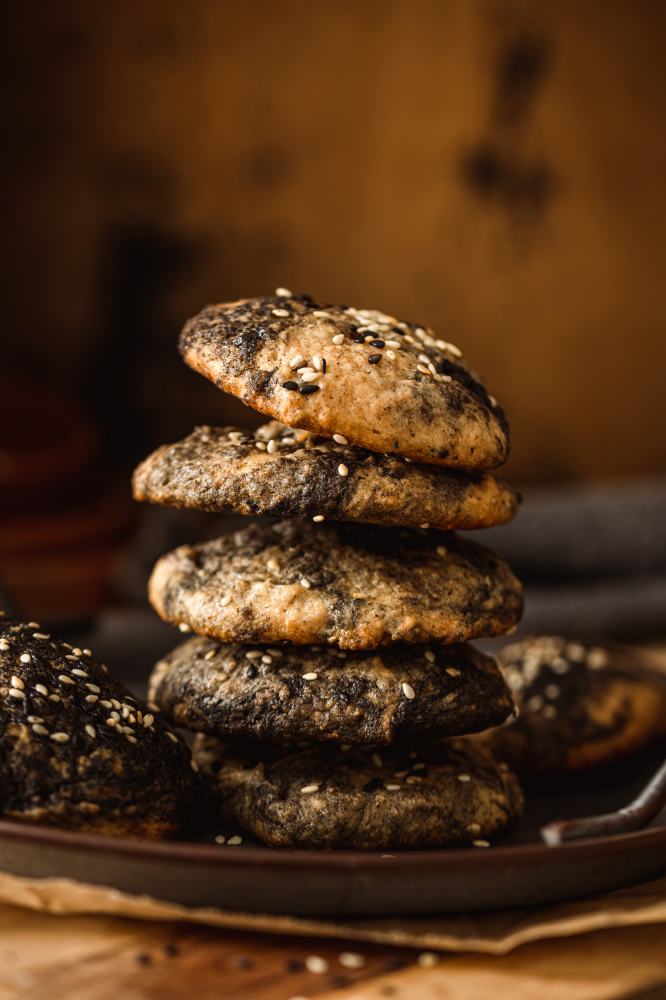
<point x="519" y="871"/>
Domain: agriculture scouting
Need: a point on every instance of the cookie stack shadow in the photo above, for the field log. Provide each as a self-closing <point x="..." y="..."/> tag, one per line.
<point x="330" y="680"/>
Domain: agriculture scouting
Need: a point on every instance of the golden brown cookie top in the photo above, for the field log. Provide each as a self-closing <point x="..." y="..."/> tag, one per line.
<point x="382" y="384"/>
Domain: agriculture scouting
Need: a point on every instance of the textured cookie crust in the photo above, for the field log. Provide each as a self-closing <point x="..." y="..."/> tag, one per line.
<point x="248" y="348"/>
<point x="579" y="707"/>
<point x="357" y="585"/>
<point x="61" y="764"/>
<point x="237" y="475"/>
<point x="430" y="796"/>
<point x="300" y="692"/>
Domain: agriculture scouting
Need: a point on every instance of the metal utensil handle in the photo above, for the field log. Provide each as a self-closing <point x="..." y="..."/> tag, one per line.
<point x="637" y="814"/>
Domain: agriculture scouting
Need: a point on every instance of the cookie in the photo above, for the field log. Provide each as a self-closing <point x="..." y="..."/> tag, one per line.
<point x="357" y="585"/>
<point x="78" y="751"/>
<point x="389" y="695"/>
<point x="335" y="798"/>
<point x="227" y="470"/>
<point x="579" y="706"/>
<point x="383" y="385"/>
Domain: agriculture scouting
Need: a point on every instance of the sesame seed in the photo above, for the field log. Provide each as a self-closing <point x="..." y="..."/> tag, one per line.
<point x="391" y="788"/>
<point x="424" y="359"/>
<point x="318" y="517"/>
<point x="71" y="657"/>
<point x="226" y="600"/>
<point x="184" y="627"/>
<point x="492" y="401"/>
<point x="474" y="828"/>
<point x="452" y="672"/>
<point x="309" y="377"/>
<point x="77" y="651"/>
<point x="464" y="777"/>
<point x="299" y="359"/>
<point x="40" y="730"/>
<point x="152" y="706"/>
<point x="33" y="625"/>
<point x="59" y="737"/>
<point x="234" y="841"/>
<point x="321" y="314"/>
<point x="427" y="960"/>
<point x="304" y="369"/>
<point x="343" y="470"/>
<point x="424" y="371"/>
<point x="351" y="960"/>
<point x="374" y="359"/>
<point x="35" y="718"/>
<point x="481" y="843"/>
<point x="79" y="673"/>
<point x="91" y="698"/>
<point x="310" y="677"/>
<point x="148" y="720"/>
<point x="210" y="654"/>
<point x="93" y="688"/>
<point x="65" y="679"/>
<point x="91" y="731"/>
<point x="266" y="658"/>
<point x="280" y="312"/>
<point x="24" y="657"/>
<point x="433" y="370"/>
<point x="377" y="760"/>
<point x="430" y="656"/>
<point x="314" y="963"/>
<point x="309" y="789"/>
<point x="441" y="550"/>
<point x="393" y="343"/>
<point x="15" y="693"/>
<point x="305" y="583"/>
<point x="194" y="765"/>
<point x="307" y="390"/>
<point x="4" y="646"/>
<point x="292" y="386"/>
<point x="283" y="293"/>
<point x="442" y="378"/>
<point x="339" y="338"/>
<point x="131" y="739"/>
<point x="426" y="524"/>
<point x="39" y="635"/>
<point x="106" y="704"/>
<point x="87" y="652"/>
<point x="391" y="355"/>
<point x="115" y="716"/>
<point x="54" y="697"/>
<point x="408" y="691"/>
<point x="254" y="654"/>
<point x="260" y="445"/>
<point x="377" y="343"/>
<point x="340" y="439"/>
<point x="316" y="361"/>
<point x="17" y="683"/>
<point x="220" y="839"/>
<point x="172" y="737"/>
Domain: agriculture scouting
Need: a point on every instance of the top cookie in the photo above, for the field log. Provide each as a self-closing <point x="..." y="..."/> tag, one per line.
<point x="279" y="472"/>
<point x="382" y="384"/>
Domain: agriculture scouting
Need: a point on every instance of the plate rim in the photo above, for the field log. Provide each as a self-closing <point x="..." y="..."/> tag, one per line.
<point x="264" y="857"/>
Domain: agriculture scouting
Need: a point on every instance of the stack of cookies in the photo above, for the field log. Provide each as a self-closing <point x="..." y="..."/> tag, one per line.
<point x="330" y="678"/>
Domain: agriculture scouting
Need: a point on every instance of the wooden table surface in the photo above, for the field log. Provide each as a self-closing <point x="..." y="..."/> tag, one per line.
<point x="46" y="957"/>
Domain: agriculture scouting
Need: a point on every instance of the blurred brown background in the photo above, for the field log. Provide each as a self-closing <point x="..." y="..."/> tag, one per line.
<point x="492" y="168"/>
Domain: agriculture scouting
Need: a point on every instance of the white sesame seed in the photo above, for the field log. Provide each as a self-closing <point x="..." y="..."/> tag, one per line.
<point x="433" y="370"/>
<point x="377" y="760"/>
<point x="153" y="707"/>
<point x="184" y="627"/>
<point x="65" y="679"/>
<point x="77" y="651"/>
<point x="40" y="730"/>
<point x="35" y="718"/>
<point x="220" y="839"/>
<point x="131" y="739"/>
<point x="424" y="371"/>
<point x="226" y="600"/>
<point x="71" y="657"/>
<point x="392" y="343"/>
<point x="305" y="370"/>
<point x="321" y="314"/>
<point x="91" y="731"/>
<point x="266" y="658"/>
<point x="280" y="312"/>
<point x="79" y="673"/>
<point x="4" y="646"/>
<point x="296" y="361"/>
<point x="318" y="517"/>
<point x="15" y="693"/>
<point x="391" y="788"/>
<point x="339" y="338"/>
<point x="424" y="358"/>
<point x="351" y="960"/>
<point x="283" y="293"/>
<point x="254" y="654"/>
<point x="310" y="376"/>
<point x="308" y="789"/>
<point x="408" y="691"/>
<point x="388" y="855"/>
<point x="391" y="355"/>
<point x="33" y="625"/>
<point x="127" y="730"/>
<point x="115" y="716"/>
<point x="430" y="656"/>
<point x="172" y="737"/>
<point x="426" y="524"/>
<point x="314" y="963"/>
<point x="54" y="697"/>
<point x="453" y="672"/>
<point x="427" y="960"/>
<point x="210" y="654"/>
<point x="343" y="470"/>
<point x="464" y="777"/>
<point x="441" y="550"/>
<point x="310" y="676"/>
<point x="305" y="583"/>
<point x="106" y="704"/>
<point x="87" y="652"/>
<point x="492" y="400"/>
<point x="234" y="841"/>
<point x="193" y="764"/>
<point x="148" y="720"/>
<point x="39" y="635"/>
<point x="474" y="828"/>
<point x="316" y="361"/>
<point x="17" y="683"/>
<point x="93" y="688"/>
<point x="24" y="657"/>
<point x="481" y="843"/>
<point x="260" y="445"/>
<point x="340" y="439"/>
<point x="91" y="698"/>
<point x="442" y="378"/>
<point x="59" y="737"/>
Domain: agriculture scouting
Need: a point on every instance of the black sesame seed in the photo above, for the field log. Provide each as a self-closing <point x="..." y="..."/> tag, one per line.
<point x="376" y="343"/>
<point x="396" y="329"/>
<point x="374" y="359"/>
<point x="353" y="327"/>
<point x="359" y="339"/>
<point x="344" y="697"/>
<point x="290" y="385"/>
<point x="323" y="366"/>
<point x="307" y="390"/>
<point x="251" y="671"/>
<point x="171" y="950"/>
<point x="373" y="784"/>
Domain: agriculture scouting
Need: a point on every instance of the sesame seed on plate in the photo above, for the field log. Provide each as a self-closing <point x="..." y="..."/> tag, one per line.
<point x="305" y="583"/>
<point x="424" y="371"/>
<point x="283" y="293"/>
<point x="91" y="731"/>
<point x="79" y="673"/>
<point x="220" y="839"/>
<point x="194" y="765"/>
<point x="172" y="737"/>
<point x="343" y="470"/>
<point x="452" y="672"/>
<point x="40" y="730"/>
<point x="60" y="737"/>
<point x="15" y="693"/>
<point x="148" y="720"/>
<point x="481" y="843"/>
<point x="310" y="676"/>
<point x="65" y="679"/>
<point x="374" y="359"/>
<point x="314" y="963"/>
<point x="234" y="841"/>
<point x="464" y="777"/>
<point x="17" y="683"/>
<point x="408" y="691"/>
<point x="318" y="517"/>
<point x="339" y="338"/>
<point x="307" y="390"/>
<point x="430" y="656"/>
<point x="426" y="524"/>
<point x="441" y="550"/>
<point x="227" y="599"/>
<point x="24" y="657"/>
<point x="184" y="627"/>
<point x="280" y="312"/>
